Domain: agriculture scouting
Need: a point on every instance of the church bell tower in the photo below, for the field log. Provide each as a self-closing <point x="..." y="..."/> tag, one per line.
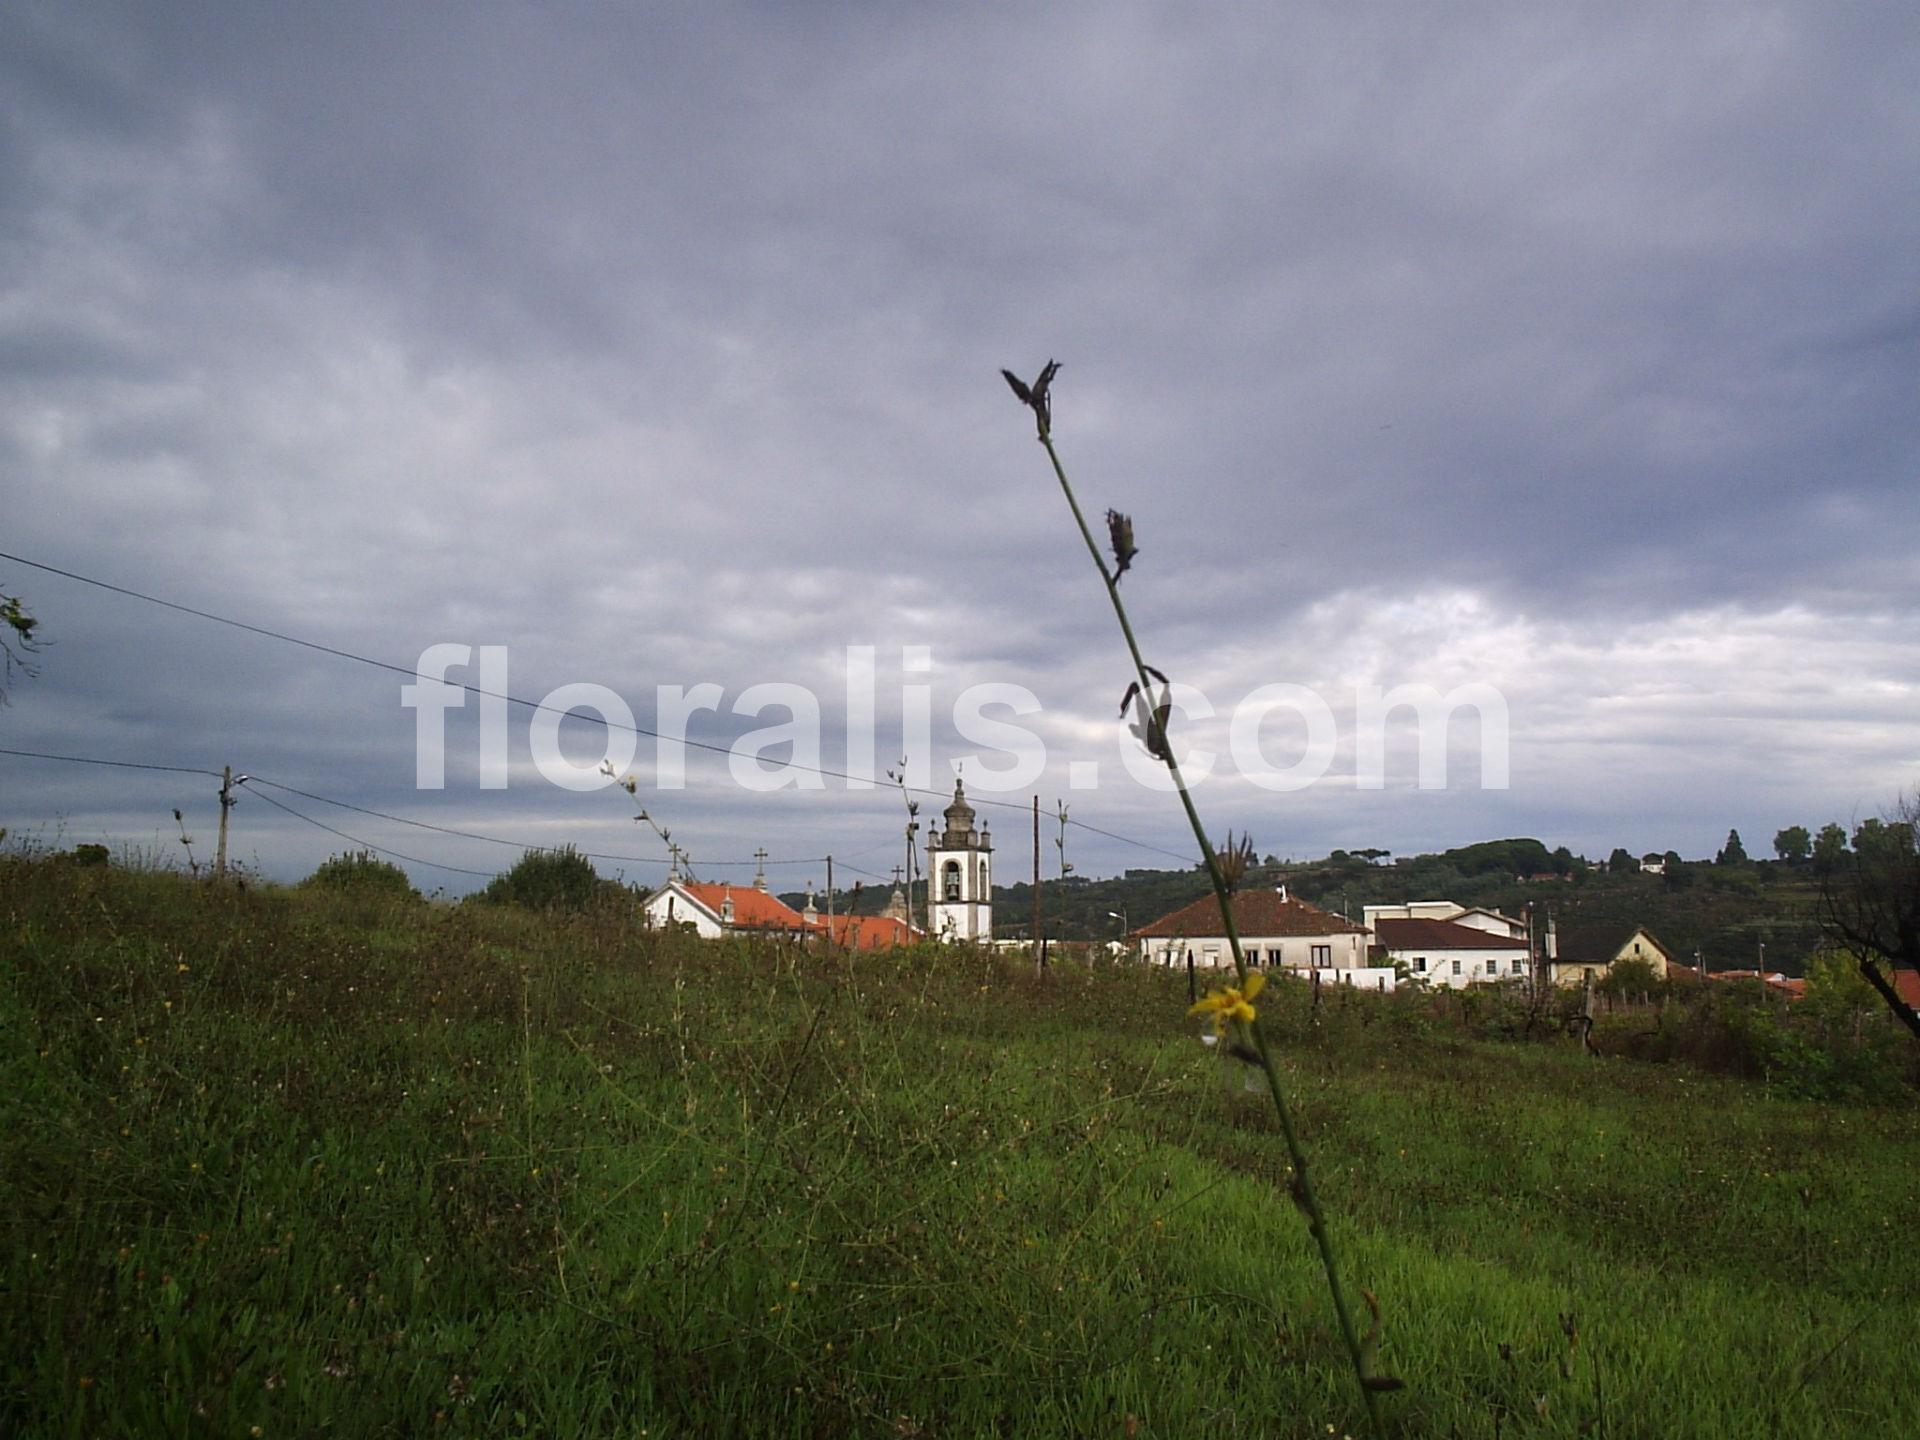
<point x="960" y="876"/>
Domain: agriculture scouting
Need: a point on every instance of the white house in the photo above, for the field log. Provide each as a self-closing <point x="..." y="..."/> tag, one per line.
<point x="1275" y="932"/>
<point x="1451" y="945"/>
<point x="718" y="909"/>
<point x="1491" y="921"/>
<point x="1448" y="953"/>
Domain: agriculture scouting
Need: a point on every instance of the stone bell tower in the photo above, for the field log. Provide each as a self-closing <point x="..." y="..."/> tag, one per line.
<point x="960" y="876"/>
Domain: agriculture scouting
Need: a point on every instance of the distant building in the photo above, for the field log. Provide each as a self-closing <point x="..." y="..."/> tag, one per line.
<point x="1275" y="932"/>
<point x="1582" y="950"/>
<point x="960" y="876"/>
<point x="1446" y="944"/>
<point x="716" y="909"/>
<point x="1451" y="954"/>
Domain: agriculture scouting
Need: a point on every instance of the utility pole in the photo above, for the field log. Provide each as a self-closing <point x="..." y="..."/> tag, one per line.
<point x="909" y="869"/>
<point x="226" y="804"/>
<point x="1039" y="955"/>
<point x="829" y="902"/>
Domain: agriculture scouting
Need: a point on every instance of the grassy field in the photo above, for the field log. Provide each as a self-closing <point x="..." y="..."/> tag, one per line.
<point x="281" y="1164"/>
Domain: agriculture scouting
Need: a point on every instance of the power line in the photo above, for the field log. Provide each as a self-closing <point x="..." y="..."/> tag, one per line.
<point x="412" y="672"/>
<point x="116" y="764"/>
<point x="253" y="781"/>
<point x="256" y="780"/>
<point x="369" y="845"/>
<point x="499" y="840"/>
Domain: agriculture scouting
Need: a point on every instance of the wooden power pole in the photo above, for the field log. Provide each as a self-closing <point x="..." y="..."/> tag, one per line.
<point x="1039" y="955"/>
<point x="829" y="902"/>
<point x="226" y="804"/>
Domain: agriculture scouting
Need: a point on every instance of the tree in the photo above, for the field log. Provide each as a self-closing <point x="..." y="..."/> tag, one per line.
<point x="1793" y="844"/>
<point x="562" y="879"/>
<point x="1562" y="859"/>
<point x="1870" y="904"/>
<point x="1621" y="862"/>
<point x="1733" y="852"/>
<point x="17" y="641"/>
<point x="1829" y="848"/>
<point x="361" y="872"/>
<point x="1835" y="984"/>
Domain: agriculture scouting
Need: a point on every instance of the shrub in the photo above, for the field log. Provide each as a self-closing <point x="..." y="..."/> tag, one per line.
<point x="562" y="879"/>
<point x="89" y="855"/>
<point x="361" y="872"/>
<point x="1631" y="979"/>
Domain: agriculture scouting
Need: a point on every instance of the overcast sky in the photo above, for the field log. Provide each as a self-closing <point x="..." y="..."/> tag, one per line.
<point x="1568" y="350"/>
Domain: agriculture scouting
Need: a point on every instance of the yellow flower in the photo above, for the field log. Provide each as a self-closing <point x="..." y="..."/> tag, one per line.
<point x="1233" y="1003"/>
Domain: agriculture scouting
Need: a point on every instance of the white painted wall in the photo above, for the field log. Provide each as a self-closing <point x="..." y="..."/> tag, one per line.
<point x="970" y="918"/>
<point x="1412" y="910"/>
<point x="1295" y="952"/>
<point x="1456" y="969"/>
<point x="668" y="906"/>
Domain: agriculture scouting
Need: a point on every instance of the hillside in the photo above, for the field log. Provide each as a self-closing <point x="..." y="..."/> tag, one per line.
<point x="287" y="1163"/>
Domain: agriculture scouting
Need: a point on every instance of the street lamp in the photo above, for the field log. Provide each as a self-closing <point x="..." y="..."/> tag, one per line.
<point x="1121" y="916"/>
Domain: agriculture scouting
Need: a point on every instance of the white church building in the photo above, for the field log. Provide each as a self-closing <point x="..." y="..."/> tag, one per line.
<point x="960" y="876"/>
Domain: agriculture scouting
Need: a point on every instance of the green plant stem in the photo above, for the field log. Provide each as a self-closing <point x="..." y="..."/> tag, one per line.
<point x="1303" y="1191"/>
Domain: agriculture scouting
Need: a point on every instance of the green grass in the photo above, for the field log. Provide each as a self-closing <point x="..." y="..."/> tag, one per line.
<point x="337" y="1167"/>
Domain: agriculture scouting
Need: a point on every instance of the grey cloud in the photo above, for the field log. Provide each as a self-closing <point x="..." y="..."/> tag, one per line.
<point x="661" y="344"/>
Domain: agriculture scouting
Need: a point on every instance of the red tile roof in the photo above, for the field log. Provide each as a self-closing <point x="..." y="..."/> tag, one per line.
<point x="868" y="932"/>
<point x="757" y="910"/>
<point x="1792" y="986"/>
<point x="752" y="909"/>
<point x="1441" y="935"/>
<point x="1255" y="913"/>
<point x="1906" y="984"/>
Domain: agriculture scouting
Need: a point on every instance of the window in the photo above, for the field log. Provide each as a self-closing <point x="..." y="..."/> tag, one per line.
<point x="1322" y="956"/>
<point x="1456" y="967"/>
<point x="1493" y="967"/>
<point x="985" y="890"/>
<point x="1519" y="967"/>
<point x="1419" y="964"/>
<point x="950" y="880"/>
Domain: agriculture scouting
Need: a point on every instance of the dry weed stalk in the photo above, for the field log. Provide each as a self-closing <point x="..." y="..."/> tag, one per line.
<point x="1149" y="694"/>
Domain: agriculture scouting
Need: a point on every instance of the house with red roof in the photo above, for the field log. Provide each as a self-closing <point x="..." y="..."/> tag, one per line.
<point x="1441" y="943"/>
<point x="1450" y="954"/>
<point x="1274" y="930"/>
<point x="715" y="909"/>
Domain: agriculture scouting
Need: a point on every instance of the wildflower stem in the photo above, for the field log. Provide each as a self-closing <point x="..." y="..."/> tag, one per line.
<point x="1303" y="1191"/>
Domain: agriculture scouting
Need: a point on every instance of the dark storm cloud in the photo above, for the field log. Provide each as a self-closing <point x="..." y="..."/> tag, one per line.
<point x="1428" y="344"/>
